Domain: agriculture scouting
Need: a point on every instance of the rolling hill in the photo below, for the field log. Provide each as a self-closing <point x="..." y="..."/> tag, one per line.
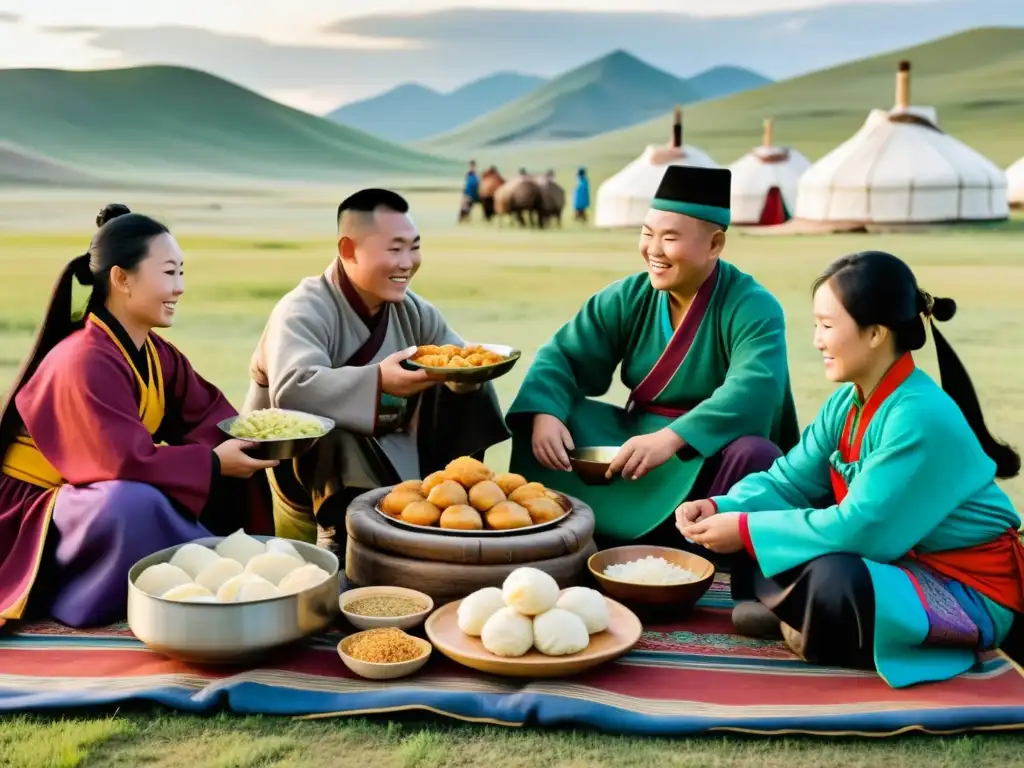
<point x="973" y="79"/>
<point x="175" y="124"/>
<point x="614" y="91"/>
<point x="723" y="81"/>
<point x="19" y="166"/>
<point x="412" y="111"/>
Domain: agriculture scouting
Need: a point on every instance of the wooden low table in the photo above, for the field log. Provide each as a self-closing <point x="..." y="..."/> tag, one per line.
<point x="450" y="567"/>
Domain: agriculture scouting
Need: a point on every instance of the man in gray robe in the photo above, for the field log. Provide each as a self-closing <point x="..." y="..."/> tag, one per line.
<point x="334" y="347"/>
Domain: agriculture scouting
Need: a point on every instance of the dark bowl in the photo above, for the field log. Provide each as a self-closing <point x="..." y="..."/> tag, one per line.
<point x="591" y="463"/>
<point x="477" y="375"/>
<point x="678" y="596"/>
<point x="281" y="449"/>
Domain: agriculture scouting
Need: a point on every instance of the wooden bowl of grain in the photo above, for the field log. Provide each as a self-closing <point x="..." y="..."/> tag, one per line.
<point x="373" y="607"/>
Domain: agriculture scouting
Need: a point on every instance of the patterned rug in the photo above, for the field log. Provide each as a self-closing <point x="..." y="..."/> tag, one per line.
<point x="692" y="677"/>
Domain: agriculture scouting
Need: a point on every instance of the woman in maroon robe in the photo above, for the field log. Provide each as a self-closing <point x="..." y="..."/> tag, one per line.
<point x="109" y="438"/>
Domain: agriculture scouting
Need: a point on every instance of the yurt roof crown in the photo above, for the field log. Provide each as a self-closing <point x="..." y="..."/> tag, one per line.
<point x="902" y="111"/>
<point x="665" y="154"/>
<point x="767" y="152"/>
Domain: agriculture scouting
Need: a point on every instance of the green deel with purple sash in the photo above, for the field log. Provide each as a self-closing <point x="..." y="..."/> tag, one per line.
<point x="722" y="375"/>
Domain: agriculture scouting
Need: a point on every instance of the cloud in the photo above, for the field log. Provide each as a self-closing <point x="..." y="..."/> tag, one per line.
<point x="9" y="18"/>
<point x="72" y="29"/>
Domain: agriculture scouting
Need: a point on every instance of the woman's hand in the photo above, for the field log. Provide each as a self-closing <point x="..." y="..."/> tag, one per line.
<point x="690" y="512"/>
<point x="639" y="455"/>
<point x="399" y="382"/>
<point x="719" y="533"/>
<point x="551" y="441"/>
<point x="235" y="463"/>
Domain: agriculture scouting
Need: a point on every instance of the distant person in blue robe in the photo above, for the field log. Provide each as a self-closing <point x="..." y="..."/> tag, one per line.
<point x="581" y="198"/>
<point x="470" y="192"/>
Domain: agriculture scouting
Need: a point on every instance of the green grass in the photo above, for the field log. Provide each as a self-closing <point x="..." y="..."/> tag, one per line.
<point x="973" y="79"/>
<point x="514" y="287"/>
<point x="173" y="123"/>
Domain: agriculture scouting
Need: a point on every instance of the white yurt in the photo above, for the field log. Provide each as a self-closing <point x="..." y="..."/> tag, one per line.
<point x="902" y="168"/>
<point x="1015" y="184"/>
<point x="624" y="199"/>
<point x="765" y="181"/>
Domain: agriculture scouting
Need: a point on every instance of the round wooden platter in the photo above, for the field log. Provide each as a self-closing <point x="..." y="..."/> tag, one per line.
<point x="623" y="633"/>
<point x="488" y="533"/>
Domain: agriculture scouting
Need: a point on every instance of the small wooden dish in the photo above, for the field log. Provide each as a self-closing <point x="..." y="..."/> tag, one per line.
<point x="677" y="595"/>
<point x="377" y="671"/>
<point x="624" y="630"/>
<point x="374" y="622"/>
<point x="590" y="464"/>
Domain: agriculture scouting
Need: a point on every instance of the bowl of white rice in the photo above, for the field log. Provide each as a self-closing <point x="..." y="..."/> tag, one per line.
<point x="649" y="575"/>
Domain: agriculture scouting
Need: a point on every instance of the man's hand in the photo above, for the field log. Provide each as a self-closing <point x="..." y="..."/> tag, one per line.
<point x="639" y="455"/>
<point x="397" y="381"/>
<point x="551" y="441"/>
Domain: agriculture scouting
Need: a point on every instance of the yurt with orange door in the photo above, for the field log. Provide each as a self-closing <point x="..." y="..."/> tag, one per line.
<point x="624" y="199"/>
<point x="765" y="182"/>
<point x="902" y="168"/>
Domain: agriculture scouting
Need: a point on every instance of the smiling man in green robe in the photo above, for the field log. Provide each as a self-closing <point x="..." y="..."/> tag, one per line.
<point x="702" y="349"/>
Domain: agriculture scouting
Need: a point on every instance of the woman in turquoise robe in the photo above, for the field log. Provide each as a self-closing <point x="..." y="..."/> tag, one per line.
<point x="702" y="349"/>
<point x="881" y="540"/>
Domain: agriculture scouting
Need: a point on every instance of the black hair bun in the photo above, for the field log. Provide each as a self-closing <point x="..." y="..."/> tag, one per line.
<point x="943" y="309"/>
<point x="111" y="211"/>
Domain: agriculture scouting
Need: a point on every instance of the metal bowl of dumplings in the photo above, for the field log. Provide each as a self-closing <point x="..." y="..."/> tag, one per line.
<point x="232" y="633"/>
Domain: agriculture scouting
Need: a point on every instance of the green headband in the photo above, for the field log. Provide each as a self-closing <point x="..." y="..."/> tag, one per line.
<point x="720" y="216"/>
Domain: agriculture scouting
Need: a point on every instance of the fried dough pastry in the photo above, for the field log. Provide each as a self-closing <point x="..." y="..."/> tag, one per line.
<point x="462" y="518"/>
<point x="451" y="356"/>
<point x="468" y="471"/>
<point x="398" y="500"/>
<point x="508" y="515"/>
<point x="509" y="481"/>
<point x="433" y="480"/>
<point x="560" y="500"/>
<point x="448" y="494"/>
<point x="421" y="513"/>
<point x="528" y="491"/>
<point x="485" y="495"/>
<point x="410" y="485"/>
<point x="542" y="509"/>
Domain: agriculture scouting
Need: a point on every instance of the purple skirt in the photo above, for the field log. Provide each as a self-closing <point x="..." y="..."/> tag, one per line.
<point x="98" y="532"/>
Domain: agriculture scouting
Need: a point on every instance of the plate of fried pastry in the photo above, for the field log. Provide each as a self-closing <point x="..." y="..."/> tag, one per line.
<point x="467" y="498"/>
<point x="471" y="364"/>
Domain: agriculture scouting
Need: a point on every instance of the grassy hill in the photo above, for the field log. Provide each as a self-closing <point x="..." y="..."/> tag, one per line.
<point x="611" y="92"/>
<point x="167" y="123"/>
<point x="973" y="79"/>
<point x="19" y="166"/>
<point x="412" y="111"/>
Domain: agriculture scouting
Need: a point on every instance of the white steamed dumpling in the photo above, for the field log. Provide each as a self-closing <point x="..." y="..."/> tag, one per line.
<point x="303" y="578"/>
<point x="507" y="633"/>
<point x="240" y="546"/>
<point x="193" y="558"/>
<point x="530" y="591"/>
<point x="189" y="593"/>
<point x="284" y="547"/>
<point x="259" y="589"/>
<point x="272" y="567"/>
<point x="213" y="576"/>
<point x="589" y="605"/>
<point x="477" y="608"/>
<point x="559" y="633"/>
<point x="229" y="589"/>
<point x="159" y="578"/>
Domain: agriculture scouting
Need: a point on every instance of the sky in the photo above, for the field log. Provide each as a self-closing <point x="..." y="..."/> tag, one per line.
<point x="316" y="54"/>
<point x="42" y="33"/>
